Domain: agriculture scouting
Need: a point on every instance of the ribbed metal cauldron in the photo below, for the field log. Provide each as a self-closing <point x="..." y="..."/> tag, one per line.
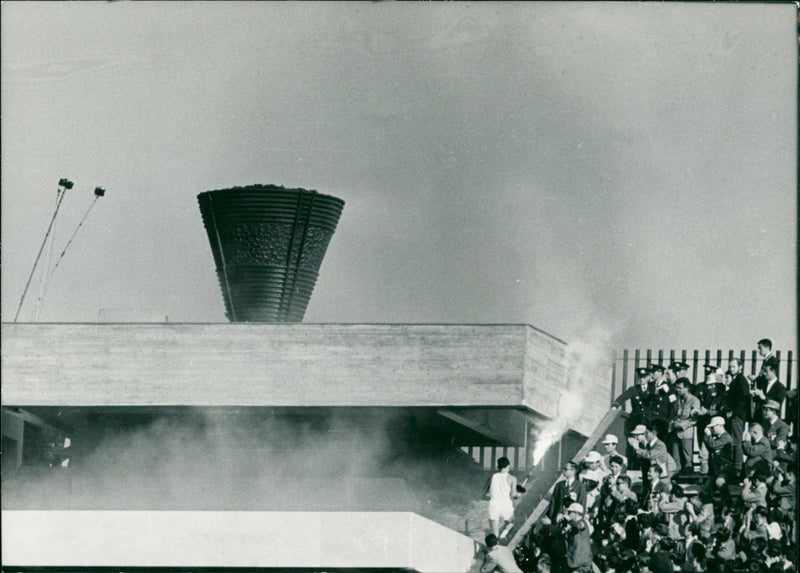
<point x="268" y="244"/>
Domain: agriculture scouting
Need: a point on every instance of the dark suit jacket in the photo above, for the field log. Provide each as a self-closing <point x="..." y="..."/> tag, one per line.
<point x="777" y="392"/>
<point x="738" y="397"/>
<point x="563" y="496"/>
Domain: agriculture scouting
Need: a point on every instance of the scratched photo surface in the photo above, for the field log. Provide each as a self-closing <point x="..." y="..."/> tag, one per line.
<point x="614" y="175"/>
<point x="629" y="168"/>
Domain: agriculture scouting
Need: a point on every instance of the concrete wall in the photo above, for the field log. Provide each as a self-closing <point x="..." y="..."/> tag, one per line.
<point x="232" y="539"/>
<point x="260" y="364"/>
<point x="546" y="380"/>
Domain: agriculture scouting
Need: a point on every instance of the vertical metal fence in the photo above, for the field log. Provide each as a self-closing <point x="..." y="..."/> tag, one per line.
<point x="625" y="363"/>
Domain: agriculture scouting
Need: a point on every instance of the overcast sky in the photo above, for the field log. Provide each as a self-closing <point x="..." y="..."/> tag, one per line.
<point x="630" y="167"/>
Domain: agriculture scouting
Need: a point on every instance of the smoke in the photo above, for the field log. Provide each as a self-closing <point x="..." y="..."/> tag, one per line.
<point x="204" y="459"/>
<point x="235" y="459"/>
<point x="582" y="358"/>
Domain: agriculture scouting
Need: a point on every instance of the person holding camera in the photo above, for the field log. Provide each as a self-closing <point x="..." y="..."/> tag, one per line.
<point x="756" y="447"/>
<point x="783" y="491"/>
<point x="719" y="445"/>
<point x="754" y="491"/>
<point x="577" y="542"/>
<point x="650" y="450"/>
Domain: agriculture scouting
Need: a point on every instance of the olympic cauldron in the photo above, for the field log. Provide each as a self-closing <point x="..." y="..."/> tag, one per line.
<point x="268" y="244"/>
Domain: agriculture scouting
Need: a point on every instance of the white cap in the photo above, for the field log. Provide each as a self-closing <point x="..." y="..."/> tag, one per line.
<point x="593" y="456"/>
<point x="716" y="421"/>
<point x="610" y="439"/>
<point x="575" y="507"/>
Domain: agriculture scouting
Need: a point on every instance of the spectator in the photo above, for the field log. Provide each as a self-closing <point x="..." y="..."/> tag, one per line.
<point x="677" y="370"/>
<point x="662" y="403"/>
<point x="767" y="387"/>
<point x="754" y="491"/>
<point x="737" y="410"/>
<point x="498" y="557"/>
<point x="682" y="426"/>
<point x="631" y="525"/>
<point x="609" y="485"/>
<point x="639" y="396"/>
<point x="668" y="530"/>
<point x="673" y="501"/>
<point x="610" y="446"/>
<point x="724" y="547"/>
<point x="650" y="450"/>
<point x="701" y="508"/>
<point x="696" y="558"/>
<point x="765" y="351"/>
<point x="720" y="463"/>
<point x="756" y="446"/>
<point x="774" y="524"/>
<point x="662" y="556"/>
<point x="616" y="493"/>
<point x="783" y="491"/>
<point x="775" y="429"/>
<point x="700" y="389"/>
<point x="791" y="411"/>
<point x="612" y="548"/>
<point x="654" y="490"/>
<point x="592" y="476"/>
<point x="713" y="401"/>
<point x="567" y="491"/>
<point x="755" y="524"/>
<point x="576" y="533"/>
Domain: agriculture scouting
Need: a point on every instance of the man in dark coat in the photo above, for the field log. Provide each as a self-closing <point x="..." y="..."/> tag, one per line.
<point x="639" y="396"/>
<point x="566" y="491"/>
<point x="775" y="429"/>
<point x="720" y="458"/>
<point x="650" y="450"/>
<point x="663" y="403"/>
<point x="737" y="409"/>
<point x="577" y="540"/>
<point x="767" y="388"/>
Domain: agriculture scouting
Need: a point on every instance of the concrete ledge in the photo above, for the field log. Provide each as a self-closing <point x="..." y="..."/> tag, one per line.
<point x="232" y="539"/>
<point x="272" y="365"/>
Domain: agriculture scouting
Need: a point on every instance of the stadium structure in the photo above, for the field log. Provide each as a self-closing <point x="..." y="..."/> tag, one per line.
<point x="266" y="443"/>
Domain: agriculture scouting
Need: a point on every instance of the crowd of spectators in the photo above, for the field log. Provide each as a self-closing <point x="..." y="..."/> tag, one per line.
<point x="659" y="506"/>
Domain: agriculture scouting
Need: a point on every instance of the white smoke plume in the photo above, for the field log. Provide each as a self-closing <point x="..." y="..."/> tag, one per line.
<point x="581" y="358"/>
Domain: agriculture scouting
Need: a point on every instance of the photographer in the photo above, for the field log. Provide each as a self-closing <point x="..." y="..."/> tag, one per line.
<point x="719" y="445"/>
<point x="576" y="539"/>
<point x="754" y="491"/>
<point x="756" y="447"/>
<point x="783" y="491"/>
<point x="724" y="547"/>
<point x="755" y="524"/>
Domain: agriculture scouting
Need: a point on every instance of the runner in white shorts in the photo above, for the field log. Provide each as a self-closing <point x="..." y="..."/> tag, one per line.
<point x="502" y="490"/>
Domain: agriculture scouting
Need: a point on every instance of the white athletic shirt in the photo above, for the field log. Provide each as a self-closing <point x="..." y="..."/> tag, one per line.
<point x="500" y="489"/>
